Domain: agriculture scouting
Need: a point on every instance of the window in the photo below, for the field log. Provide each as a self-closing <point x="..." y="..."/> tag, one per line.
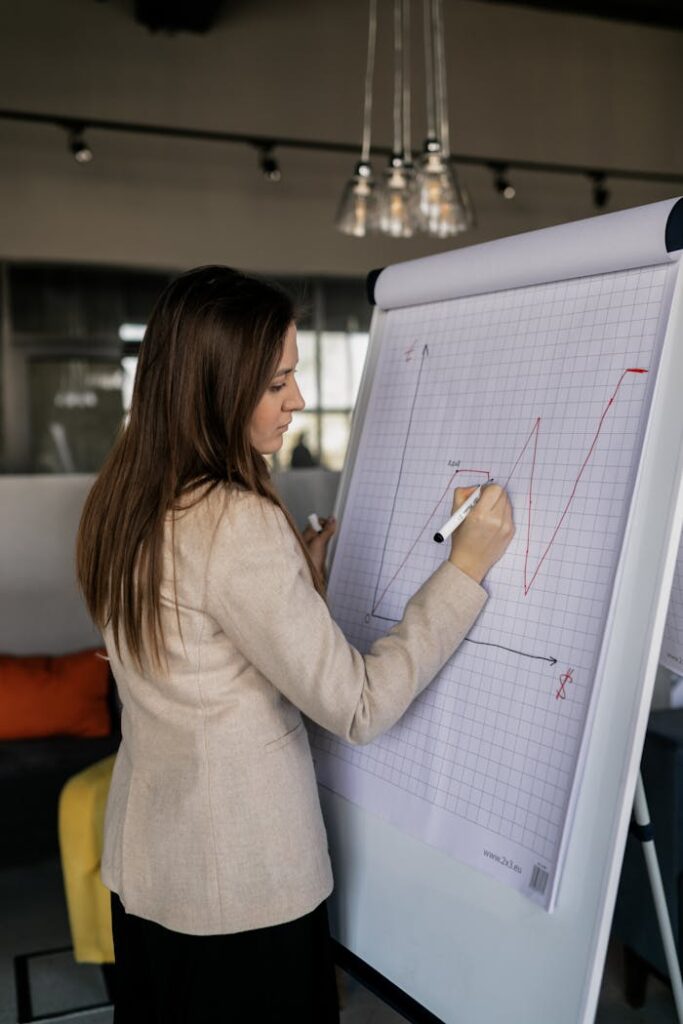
<point x="72" y="337"/>
<point x="333" y="341"/>
<point x="75" y="413"/>
<point x="330" y="368"/>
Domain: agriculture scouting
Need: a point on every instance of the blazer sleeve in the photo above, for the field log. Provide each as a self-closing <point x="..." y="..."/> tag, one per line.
<point x="259" y="590"/>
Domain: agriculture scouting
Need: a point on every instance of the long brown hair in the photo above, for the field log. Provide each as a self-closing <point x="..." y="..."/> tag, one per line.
<point x="211" y="348"/>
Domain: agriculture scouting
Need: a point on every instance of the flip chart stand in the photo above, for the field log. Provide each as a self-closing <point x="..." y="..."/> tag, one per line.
<point x="644" y="832"/>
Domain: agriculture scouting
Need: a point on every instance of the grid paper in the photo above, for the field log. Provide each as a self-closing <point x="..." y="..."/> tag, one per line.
<point x="537" y="387"/>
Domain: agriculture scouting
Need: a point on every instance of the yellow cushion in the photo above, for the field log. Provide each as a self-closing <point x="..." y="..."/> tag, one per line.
<point x="81" y="828"/>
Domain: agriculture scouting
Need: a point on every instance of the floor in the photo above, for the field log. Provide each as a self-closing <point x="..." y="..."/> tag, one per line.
<point x="33" y="917"/>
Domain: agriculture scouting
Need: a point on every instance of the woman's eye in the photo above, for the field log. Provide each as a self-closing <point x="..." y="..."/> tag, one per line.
<point x="276" y="387"/>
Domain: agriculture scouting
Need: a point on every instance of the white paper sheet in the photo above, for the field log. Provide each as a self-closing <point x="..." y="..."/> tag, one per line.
<point x="546" y="388"/>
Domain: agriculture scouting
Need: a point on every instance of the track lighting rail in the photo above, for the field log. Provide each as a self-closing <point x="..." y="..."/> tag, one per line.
<point x="260" y="142"/>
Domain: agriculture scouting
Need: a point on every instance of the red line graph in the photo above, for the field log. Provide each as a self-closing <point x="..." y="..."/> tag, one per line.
<point x="533" y="436"/>
<point x="535" y="431"/>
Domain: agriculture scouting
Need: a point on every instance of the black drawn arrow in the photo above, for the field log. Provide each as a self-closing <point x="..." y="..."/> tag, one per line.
<point x="522" y="654"/>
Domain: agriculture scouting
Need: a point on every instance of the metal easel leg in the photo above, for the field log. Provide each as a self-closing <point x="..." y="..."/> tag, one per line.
<point x="645" y="834"/>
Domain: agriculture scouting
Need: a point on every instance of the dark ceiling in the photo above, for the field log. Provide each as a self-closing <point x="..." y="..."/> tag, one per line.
<point x="664" y="13"/>
<point x="202" y="15"/>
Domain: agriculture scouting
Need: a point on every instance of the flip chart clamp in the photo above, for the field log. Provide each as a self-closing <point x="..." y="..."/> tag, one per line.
<point x="643" y="831"/>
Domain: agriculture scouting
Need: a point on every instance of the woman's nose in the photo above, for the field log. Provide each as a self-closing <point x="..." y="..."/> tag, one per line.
<point x="295" y="401"/>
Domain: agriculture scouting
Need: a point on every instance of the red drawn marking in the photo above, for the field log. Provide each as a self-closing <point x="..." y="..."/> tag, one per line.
<point x="565" y="678"/>
<point x="408" y="353"/>
<point x="535" y="431"/>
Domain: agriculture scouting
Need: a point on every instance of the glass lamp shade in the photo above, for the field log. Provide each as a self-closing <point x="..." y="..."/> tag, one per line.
<point x="357" y="213"/>
<point x="443" y="207"/>
<point x="396" y="200"/>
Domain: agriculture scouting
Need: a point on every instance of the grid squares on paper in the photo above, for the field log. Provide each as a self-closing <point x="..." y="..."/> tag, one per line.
<point x="533" y="386"/>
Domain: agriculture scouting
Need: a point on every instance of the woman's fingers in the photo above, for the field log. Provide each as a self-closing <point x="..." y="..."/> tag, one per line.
<point x="312" y="536"/>
<point x="460" y="496"/>
<point x="317" y="542"/>
<point x="486" y="532"/>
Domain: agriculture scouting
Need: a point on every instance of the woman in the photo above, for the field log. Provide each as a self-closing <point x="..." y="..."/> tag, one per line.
<point x="213" y="613"/>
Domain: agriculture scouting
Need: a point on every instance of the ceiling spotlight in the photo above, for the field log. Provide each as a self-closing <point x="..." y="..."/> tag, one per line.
<point x="269" y="165"/>
<point x="600" y="191"/>
<point x="80" y="150"/>
<point x="502" y="183"/>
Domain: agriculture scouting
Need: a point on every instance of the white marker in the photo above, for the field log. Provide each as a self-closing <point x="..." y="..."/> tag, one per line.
<point x="460" y="516"/>
<point x="315" y="522"/>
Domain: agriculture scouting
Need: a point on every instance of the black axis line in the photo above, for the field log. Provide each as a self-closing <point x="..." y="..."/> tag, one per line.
<point x="486" y="643"/>
<point x="512" y="650"/>
<point x="425" y="353"/>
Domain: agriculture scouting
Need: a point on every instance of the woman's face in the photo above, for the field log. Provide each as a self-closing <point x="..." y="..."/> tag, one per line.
<point x="282" y="397"/>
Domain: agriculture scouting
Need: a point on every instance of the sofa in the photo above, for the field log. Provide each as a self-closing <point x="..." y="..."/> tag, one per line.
<point x="42" y="613"/>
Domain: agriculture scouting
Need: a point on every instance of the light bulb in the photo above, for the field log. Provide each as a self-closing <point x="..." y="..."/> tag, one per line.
<point x="442" y="207"/>
<point x="397" y="200"/>
<point x="270" y="168"/>
<point x="357" y="213"/>
<point x="502" y="183"/>
<point x="80" y="150"/>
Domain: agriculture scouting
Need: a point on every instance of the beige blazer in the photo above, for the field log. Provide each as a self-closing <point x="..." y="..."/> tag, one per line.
<point x="213" y="823"/>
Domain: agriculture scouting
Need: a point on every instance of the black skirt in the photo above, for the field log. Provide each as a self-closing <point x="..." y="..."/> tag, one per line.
<point x="278" y="975"/>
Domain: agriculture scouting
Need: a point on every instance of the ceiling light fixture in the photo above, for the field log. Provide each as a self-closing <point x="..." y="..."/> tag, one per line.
<point x="79" y="148"/>
<point x="75" y="127"/>
<point x="601" y="194"/>
<point x="269" y="165"/>
<point x="501" y="181"/>
<point x="396" y="193"/>
<point x="357" y="211"/>
<point x="443" y="207"/>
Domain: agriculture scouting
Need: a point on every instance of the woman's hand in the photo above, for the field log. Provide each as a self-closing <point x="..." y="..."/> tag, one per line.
<point x="484" y="536"/>
<point x="317" y="542"/>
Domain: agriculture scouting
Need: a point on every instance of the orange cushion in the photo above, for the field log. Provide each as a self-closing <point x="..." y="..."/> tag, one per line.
<point x="66" y="695"/>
